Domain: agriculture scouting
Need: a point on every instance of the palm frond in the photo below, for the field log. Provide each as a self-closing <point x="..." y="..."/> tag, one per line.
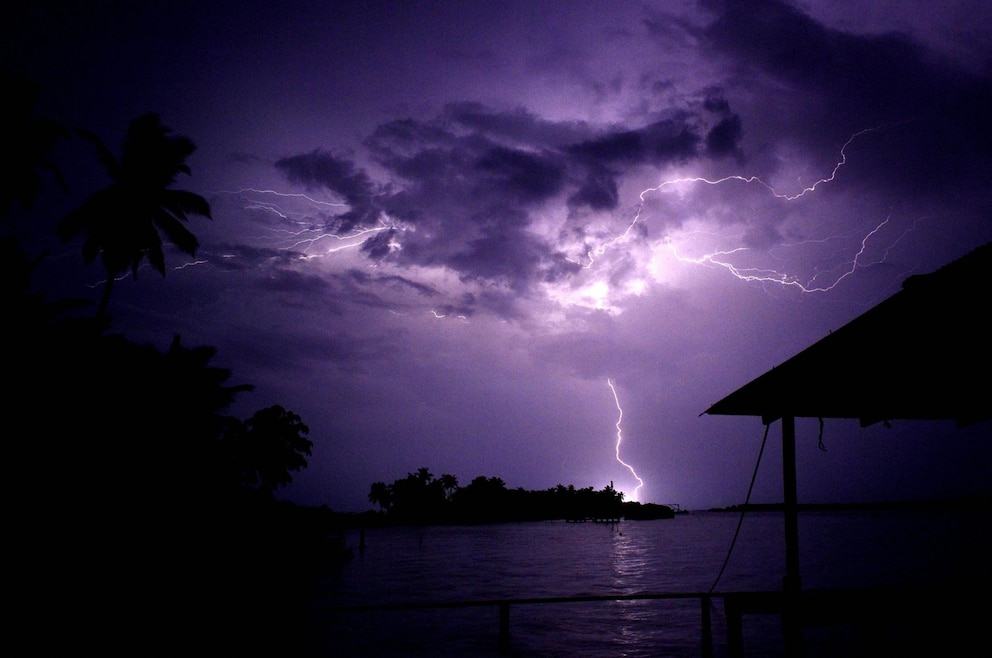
<point x="151" y="156"/>
<point x="80" y="219"/>
<point x="176" y="232"/>
<point x="151" y="243"/>
<point x="109" y="161"/>
<point x="127" y="222"/>
<point x="183" y="203"/>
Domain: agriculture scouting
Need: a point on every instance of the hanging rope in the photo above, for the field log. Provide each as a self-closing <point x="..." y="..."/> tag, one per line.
<point x="740" y="520"/>
<point x="819" y="441"/>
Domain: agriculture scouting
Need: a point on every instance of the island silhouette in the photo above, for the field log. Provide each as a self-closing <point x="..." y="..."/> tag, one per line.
<point x="420" y="498"/>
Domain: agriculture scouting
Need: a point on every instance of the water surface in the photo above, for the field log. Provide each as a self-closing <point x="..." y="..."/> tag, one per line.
<point x="680" y="555"/>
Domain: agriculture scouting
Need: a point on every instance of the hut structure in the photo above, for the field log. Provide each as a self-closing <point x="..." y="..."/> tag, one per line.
<point x="925" y="353"/>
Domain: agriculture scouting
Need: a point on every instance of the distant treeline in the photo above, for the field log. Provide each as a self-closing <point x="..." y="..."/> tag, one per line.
<point x="420" y="498"/>
<point x="982" y="501"/>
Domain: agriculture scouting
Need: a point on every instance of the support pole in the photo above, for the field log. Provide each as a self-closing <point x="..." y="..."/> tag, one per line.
<point x="504" y="627"/>
<point x="792" y="585"/>
<point x="735" y="626"/>
<point x="707" y="627"/>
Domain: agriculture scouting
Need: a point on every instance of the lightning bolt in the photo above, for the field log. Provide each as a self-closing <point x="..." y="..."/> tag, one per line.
<point x="717" y="258"/>
<point x="306" y="238"/>
<point x="285" y="195"/>
<point x="720" y="258"/>
<point x="616" y="398"/>
<point x="440" y="316"/>
<point x="298" y="216"/>
<point x="756" y="180"/>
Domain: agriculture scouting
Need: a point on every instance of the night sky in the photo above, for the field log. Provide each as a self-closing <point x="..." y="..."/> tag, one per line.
<point x="445" y="233"/>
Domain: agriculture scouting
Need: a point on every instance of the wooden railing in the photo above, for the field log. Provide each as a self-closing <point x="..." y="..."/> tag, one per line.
<point x="504" y="605"/>
<point x="871" y="606"/>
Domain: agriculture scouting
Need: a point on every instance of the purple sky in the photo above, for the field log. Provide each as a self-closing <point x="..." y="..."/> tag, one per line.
<point x="442" y="228"/>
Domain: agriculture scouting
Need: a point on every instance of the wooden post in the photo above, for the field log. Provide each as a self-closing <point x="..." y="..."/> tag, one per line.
<point x="504" y="627"/>
<point x="735" y="626"/>
<point x="707" y="628"/>
<point x="792" y="585"/>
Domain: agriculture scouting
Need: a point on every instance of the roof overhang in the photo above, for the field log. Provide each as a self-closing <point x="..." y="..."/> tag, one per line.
<point x="923" y="353"/>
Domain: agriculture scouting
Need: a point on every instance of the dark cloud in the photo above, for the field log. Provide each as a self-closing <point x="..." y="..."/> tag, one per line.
<point x="469" y="195"/>
<point x="464" y="307"/>
<point x="716" y="105"/>
<point x="516" y="126"/>
<point x="503" y="253"/>
<point x="237" y="257"/>
<point x="321" y="170"/>
<point x="724" y="138"/>
<point x="414" y="149"/>
<point x="470" y="179"/>
<point x="710" y="131"/>
<point x="598" y="191"/>
<point x="516" y="175"/>
<point x="848" y="82"/>
<point x="379" y="245"/>
<point x="880" y="73"/>
<point x="662" y="142"/>
<point x="392" y="281"/>
<point x="292" y="281"/>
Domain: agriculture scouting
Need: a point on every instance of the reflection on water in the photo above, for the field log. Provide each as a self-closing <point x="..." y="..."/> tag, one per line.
<point x="684" y="554"/>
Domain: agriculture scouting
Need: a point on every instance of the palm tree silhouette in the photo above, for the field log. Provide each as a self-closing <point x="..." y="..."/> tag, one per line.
<point x="380" y="494"/>
<point x="124" y="222"/>
<point x="449" y="483"/>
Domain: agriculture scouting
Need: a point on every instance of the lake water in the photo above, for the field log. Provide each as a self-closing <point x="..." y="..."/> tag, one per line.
<point x="680" y="555"/>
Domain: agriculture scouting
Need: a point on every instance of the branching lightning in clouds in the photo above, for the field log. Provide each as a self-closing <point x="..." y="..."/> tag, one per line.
<point x="190" y="264"/>
<point x="440" y="316"/>
<point x="773" y="276"/>
<point x="616" y="398"/>
<point x="306" y="238"/>
<point x="720" y="258"/>
<point x="286" y="195"/>
<point x="350" y="240"/>
<point x="754" y="179"/>
<point x="310" y="229"/>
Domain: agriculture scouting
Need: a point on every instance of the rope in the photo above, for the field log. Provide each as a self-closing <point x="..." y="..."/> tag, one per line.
<point x="743" y="509"/>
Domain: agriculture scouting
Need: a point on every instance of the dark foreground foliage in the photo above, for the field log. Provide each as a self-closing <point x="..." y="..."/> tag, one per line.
<point x="141" y="516"/>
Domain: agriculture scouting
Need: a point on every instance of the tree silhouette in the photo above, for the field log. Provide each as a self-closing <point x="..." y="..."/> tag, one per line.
<point x="484" y="498"/>
<point x="380" y="494"/>
<point x="28" y="145"/>
<point x="123" y="448"/>
<point x="271" y="446"/>
<point x="449" y="483"/>
<point x="157" y="415"/>
<point x="419" y="498"/>
<point x="124" y="223"/>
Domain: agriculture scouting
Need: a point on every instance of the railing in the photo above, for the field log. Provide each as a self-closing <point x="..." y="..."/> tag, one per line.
<point x="706" y="642"/>
<point x="872" y="606"/>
